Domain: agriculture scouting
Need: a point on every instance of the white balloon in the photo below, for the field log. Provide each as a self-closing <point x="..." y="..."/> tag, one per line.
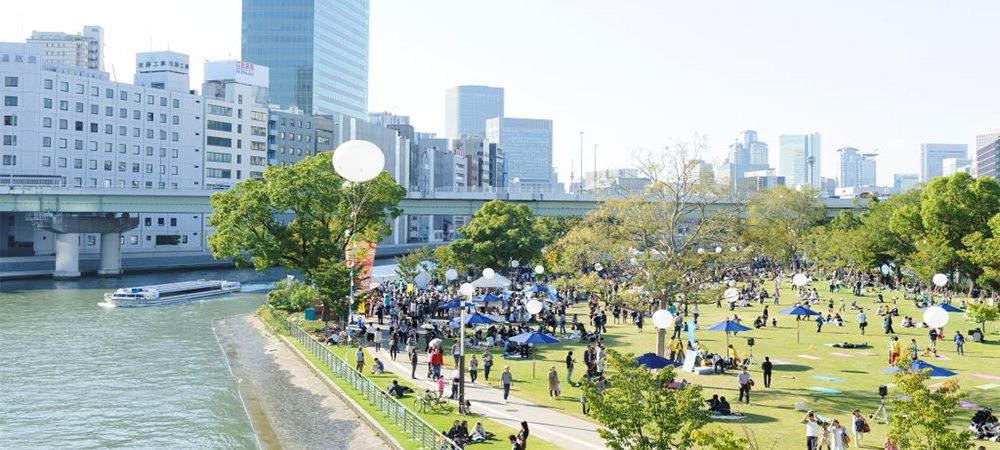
<point x="718" y="249"/>
<point x="539" y="269"/>
<point x="467" y="289"/>
<point x="358" y="161"/>
<point x="663" y="319"/>
<point x="450" y="274"/>
<point x="800" y="279"/>
<point x="515" y="263"/>
<point x="598" y="267"/>
<point x="533" y="306"/>
<point x="488" y="273"/>
<point x="940" y="279"/>
<point x="732" y="294"/>
<point x="701" y="251"/>
<point x="935" y="317"/>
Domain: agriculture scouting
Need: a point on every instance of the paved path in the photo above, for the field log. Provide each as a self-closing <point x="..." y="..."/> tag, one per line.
<point x="289" y="406"/>
<point x="545" y="423"/>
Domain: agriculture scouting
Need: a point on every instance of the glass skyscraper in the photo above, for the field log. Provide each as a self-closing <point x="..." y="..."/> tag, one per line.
<point x="467" y="108"/>
<point x="527" y="149"/>
<point x="317" y="51"/>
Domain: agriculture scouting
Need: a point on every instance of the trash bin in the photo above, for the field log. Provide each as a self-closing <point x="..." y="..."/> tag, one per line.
<point x="310" y="314"/>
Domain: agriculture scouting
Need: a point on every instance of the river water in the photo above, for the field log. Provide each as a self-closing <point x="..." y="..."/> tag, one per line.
<point x="77" y="375"/>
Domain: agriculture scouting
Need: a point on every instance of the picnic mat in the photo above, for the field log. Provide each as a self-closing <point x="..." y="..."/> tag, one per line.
<point x="842" y="355"/>
<point x="823" y="390"/>
<point x="986" y="377"/>
<point x="807" y="357"/>
<point x="826" y="378"/>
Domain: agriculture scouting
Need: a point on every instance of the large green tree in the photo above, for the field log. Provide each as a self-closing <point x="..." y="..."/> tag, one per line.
<point x="302" y="217"/>
<point x="779" y="219"/>
<point x="923" y="416"/>
<point x="498" y="233"/>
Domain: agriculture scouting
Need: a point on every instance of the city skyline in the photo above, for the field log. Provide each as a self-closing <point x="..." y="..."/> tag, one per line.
<point x="852" y="93"/>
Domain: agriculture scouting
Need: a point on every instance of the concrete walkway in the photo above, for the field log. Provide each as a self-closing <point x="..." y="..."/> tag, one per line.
<point x="288" y="405"/>
<point x="545" y="423"/>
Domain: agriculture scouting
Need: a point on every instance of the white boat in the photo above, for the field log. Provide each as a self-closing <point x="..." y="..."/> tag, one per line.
<point x="164" y="294"/>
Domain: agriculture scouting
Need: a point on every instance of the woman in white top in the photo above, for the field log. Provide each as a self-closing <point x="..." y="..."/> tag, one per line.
<point x="838" y="436"/>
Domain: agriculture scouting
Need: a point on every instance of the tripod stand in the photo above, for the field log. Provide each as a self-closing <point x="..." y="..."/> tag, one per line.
<point x="881" y="413"/>
<point x="750" y="360"/>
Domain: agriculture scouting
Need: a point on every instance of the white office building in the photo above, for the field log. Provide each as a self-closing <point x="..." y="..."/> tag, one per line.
<point x="856" y="169"/>
<point x="800" y="159"/>
<point x="902" y="182"/>
<point x="467" y="108"/>
<point x="933" y="155"/>
<point x="69" y="126"/>
<point x="950" y="166"/>
<point x="527" y="147"/>
<point x="84" y="49"/>
<point x="235" y="122"/>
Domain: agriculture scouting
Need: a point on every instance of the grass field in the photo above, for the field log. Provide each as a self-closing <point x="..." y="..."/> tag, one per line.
<point x="771" y="414"/>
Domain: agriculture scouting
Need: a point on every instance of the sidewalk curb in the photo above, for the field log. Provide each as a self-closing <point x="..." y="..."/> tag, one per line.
<point x="367" y="418"/>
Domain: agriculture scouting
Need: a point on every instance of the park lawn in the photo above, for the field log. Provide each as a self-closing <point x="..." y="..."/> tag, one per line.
<point x="771" y="414"/>
<point x="441" y="421"/>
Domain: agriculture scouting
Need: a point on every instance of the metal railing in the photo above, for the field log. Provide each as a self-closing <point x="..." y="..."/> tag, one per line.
<point x="400" y="416"/>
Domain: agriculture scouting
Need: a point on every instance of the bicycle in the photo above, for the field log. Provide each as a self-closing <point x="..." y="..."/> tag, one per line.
<point x="429" y="401"/>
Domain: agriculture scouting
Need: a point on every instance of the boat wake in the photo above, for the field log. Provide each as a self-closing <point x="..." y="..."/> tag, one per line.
<point x="257" y="287"/>
<point x="106" y="304"/>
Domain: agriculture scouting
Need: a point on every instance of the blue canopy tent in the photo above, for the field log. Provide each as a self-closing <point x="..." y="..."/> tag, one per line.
<point x="532" y="337"/>
<point x="729" y="326"/>
<point x="798" y="310"/>
<point x="477" y="318"/>
<point x="653" y="361"/>
<point x="454" y="304"/>
<point x="945" y="307"/>
<point x="920" y="365"/>
<point x="485" y="298"/>
<point x="537" y="288"/>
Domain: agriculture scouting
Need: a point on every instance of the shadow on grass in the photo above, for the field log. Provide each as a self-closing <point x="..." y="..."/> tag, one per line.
<point x="749" y="418"/>
<point x="791" y="368"/>
<point x="854" y="371"/>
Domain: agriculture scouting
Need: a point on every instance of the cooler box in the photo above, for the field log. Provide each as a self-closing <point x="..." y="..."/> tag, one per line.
<point x="310" y="314"/>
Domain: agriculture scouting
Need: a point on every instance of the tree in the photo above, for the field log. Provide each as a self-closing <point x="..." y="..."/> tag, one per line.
<point x="778" y="220"/>
<point x="498" y="233"/>
<point x="923" y="416"/>
<point x="982" y="313"/>
<point x="302" y="217"/>
<point x="411" y="264"/>
<point x="639" y="412"/>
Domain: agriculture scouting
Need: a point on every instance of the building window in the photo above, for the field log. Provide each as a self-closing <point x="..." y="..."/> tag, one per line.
<point x="259" y="116"/>
<point x="218" y="157"/>
<point x="173" y="221"/>
<point x="47" y="103"/>
<point x="219" y="126"/>
<point x="255" y="145"/>
<point x="47" y="122"/>
<point x="46" y="161"/>
<point x="48" y="84"/>
<point x="10" y="100"/>
<point x="10" y="81"/>
<point x="148" y="221"/>
<point x="10" y="120"/>
<point x="219" y="142"/>
<point x="133" y="240"/>
<point x="9" y="140"/>
<point x="220" y="110"/>
<point x="217" y="173"/>
<point x="10" y="160"/>
<point x="177" y="103"/>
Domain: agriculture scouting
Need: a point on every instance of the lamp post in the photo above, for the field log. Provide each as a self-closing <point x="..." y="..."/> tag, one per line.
<point x="467" y="289"/>
<point x="357" y="162"/>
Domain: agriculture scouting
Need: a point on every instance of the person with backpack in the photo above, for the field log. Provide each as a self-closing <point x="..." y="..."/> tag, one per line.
<point x="858" y="426"/>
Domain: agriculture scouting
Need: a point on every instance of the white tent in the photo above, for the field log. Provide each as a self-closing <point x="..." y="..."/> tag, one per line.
<point x="497" y="281"/>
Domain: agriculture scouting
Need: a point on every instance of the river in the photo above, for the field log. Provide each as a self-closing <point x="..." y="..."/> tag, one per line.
<point x="77" y="375"/>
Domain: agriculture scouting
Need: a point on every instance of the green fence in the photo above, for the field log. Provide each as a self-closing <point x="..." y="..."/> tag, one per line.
<point x="398" y="415"/>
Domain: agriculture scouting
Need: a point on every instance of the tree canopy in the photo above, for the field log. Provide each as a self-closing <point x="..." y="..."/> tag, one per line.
<point x="498" y="233"/>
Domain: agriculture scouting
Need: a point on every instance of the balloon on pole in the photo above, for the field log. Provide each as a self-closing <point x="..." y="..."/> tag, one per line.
<point x="467" y="289"/>
<point x="598" y="267"/>
<point x="450" y="274"/>
<point x="515" y="263"/>
<point x="732" y="294"/>
<point x="539" y="269"/>
<point x="800" y="279"/>
<point x="940" y="279"/>
<point x="663" y="319"/>
<point x="488" y="273"/>
<point x="358" y="161"/>
<point x="935" y="317"/>
<point x="533" y="307"/>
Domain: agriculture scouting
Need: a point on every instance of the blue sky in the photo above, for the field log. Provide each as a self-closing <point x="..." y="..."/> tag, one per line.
<point x="633" y="74"/>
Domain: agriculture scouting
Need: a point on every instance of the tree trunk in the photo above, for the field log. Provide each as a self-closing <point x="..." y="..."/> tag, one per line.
<point x="661" y="333"/>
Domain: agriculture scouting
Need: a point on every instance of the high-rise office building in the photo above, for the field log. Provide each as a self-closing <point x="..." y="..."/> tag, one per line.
<point x="987" y="147"/>
<point x="235" y="122"/>
<point x="800" y="159"/>
<point x="951" y="166"/>
<point x="746" y="154"/>
<point x="317" y="51"/>
<point x="856" y="169"/>
<point x="467" y="108"/>
<point x="386" y="118"/>
<point x="902" y="182"/>
<point x="84" y="49"/>
<point x="931" y="156"/>
<point x="163" y="70"/>
<point x="527" y="149"/>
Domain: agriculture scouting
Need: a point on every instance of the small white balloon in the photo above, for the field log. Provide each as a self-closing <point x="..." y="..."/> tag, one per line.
<point x="533" y="306"/>
<point x="718" y="249"/>
<point x="598" y="267"/>
<point x="663" y="319"/>
<point x="450" y="274"/>
<point x="800" y="279"/>
<point x="935" y="317"/>
<point x="488" y="273"/>
<point x="940" y="279"/>
<point x="515" y="263"/>
<point x="701" y="251"/>
<point x="358" y="160"/>
<point x="732" y="294"/>
<point x="733" y="249"/>
<point x="467" y="289"/>
<point x="539" y="269"/>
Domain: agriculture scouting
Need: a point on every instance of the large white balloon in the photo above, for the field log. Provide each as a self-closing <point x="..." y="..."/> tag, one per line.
<point x="800" y="279"/>
<point x="515" y="263"/>
<point x="467" y="289"/>
<point x="539" y="269"/>
<point x="940" y="279"/>
<point x="598" y="267"/>
<point x="732" y="294"/>
<point x="663" y="319"/>
<point x="358" y="161"/>
<point x="450" y="274"/>
<point x="488" y="273"/>
<point x="935" y="317"/>
<point x="718" y="249"/>
<point x="533" y="306"/>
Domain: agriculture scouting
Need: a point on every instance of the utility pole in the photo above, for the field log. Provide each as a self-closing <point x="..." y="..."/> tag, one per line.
<point x="580" y="189"/>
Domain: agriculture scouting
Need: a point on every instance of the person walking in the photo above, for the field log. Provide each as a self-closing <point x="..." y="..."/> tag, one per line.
<point x="887" y="324"/>
<point x="456" y="353"/>
<point x="506" y="379"/>
<point x="766" y="366"/>
<point x="819" y="323"/>
<point x="473" y="368"/>
<point x="745" y="383"/>
<point x="553" y="382"/>
<point x="858" y="426"/>
<point x="932" y="337"/>
<point x="893" y="350"/>
<point x="413" y="363"/>
<point x="862" y="321"/>
<point x="393" y="345"/>
<point x="522" y="435"/>
<point x="959" y="342"/>
<point x="569" y="367"/>
<point x="437" y="360"/>
<point x="359" y="360"/>
<point x="487" y="364"/>
<point x="839" y="439"/>
<point x="813" y="430"/>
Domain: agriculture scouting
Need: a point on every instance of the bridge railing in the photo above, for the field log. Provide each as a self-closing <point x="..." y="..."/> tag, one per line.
<point x="414" y="427"/>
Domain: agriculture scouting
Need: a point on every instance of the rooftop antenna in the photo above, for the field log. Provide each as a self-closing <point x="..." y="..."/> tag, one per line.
<point x="114" y="76"/>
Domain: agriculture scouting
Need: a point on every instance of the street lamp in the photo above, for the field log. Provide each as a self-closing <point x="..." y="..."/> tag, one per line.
<point x="467" y="289"/>
<point x="357" y="162"/>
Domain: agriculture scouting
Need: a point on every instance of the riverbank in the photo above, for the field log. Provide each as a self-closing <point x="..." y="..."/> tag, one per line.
<point x="288" y="404"/>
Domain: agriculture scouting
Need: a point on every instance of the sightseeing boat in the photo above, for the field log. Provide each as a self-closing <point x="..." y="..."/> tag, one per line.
<point x="164" y="294"/>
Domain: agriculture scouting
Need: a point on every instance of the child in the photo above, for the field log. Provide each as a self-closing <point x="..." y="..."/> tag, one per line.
<point x="440" y="382"/>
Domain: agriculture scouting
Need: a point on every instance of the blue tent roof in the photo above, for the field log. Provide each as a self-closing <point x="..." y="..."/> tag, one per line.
<point x="537" y="288"/>
<point x="945" y="307"/>
<point x="920" y="365"/>
<point x="486" y="298"/>
<point x="728" y="325"/>
<point x="799" y="311"/>
<point x="652" y="361"/>
<point x="453" y="305"/>
<point x="479" y="318"/>
<point x="532" y="337"/>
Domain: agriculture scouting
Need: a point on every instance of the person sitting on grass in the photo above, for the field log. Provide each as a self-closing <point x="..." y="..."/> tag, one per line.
<point x="398" y="390"/>
<point x="479" y="433"/>
<point x="377" y="367"/>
